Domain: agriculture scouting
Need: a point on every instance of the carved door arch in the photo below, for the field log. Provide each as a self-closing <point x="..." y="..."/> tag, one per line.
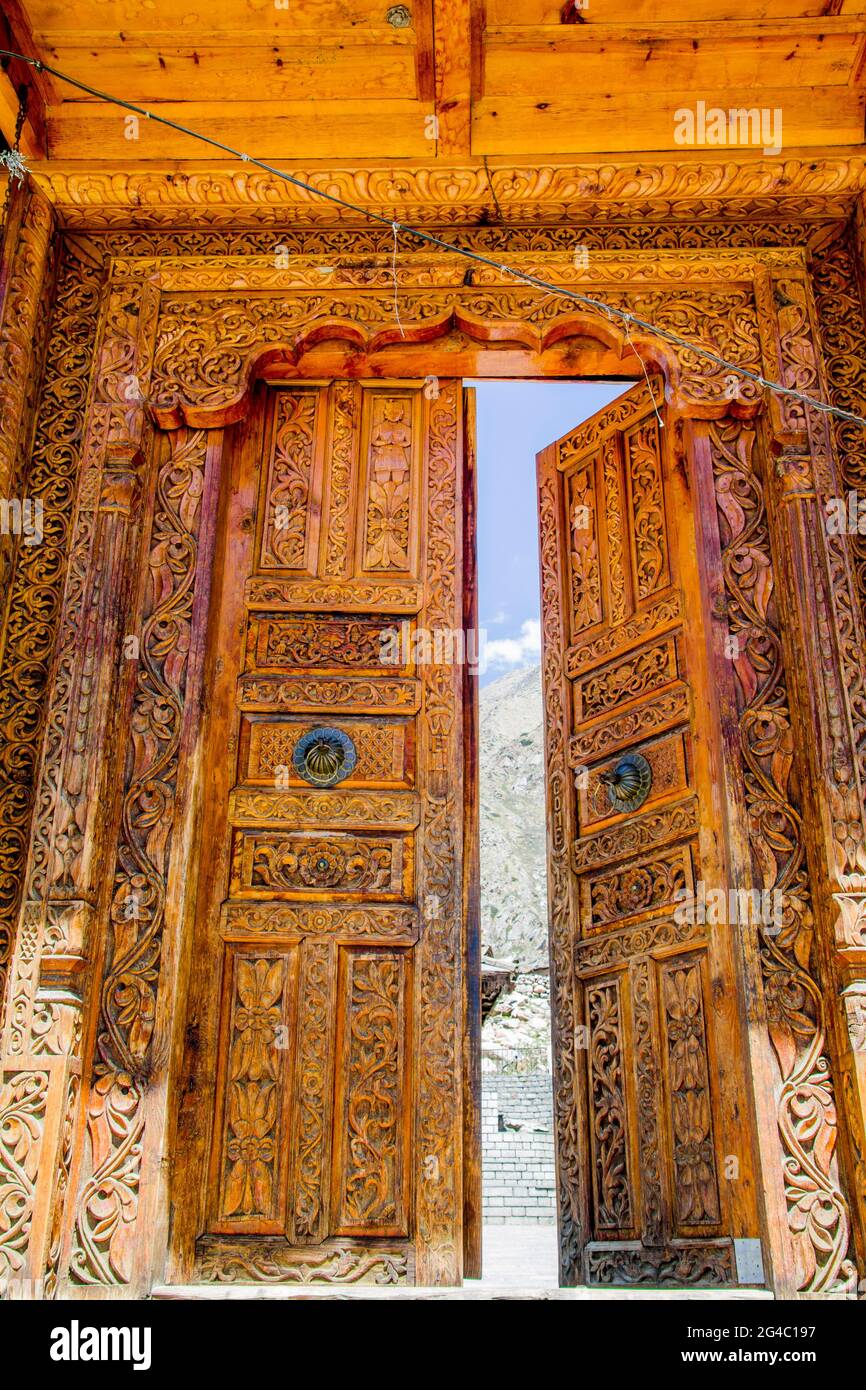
<point x="195" y="341"/>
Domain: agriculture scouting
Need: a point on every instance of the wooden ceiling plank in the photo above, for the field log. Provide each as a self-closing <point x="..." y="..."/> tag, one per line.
<point x="574" y="36"/>
<point x="672" y="64"/>
<point x="373" y="36"/>
<point x="639" y="121"/>
<point x="647" y="13"/>
<point x="328" y="18"/>
<point x="275" y="131"/>
<point x="173" y="73"/>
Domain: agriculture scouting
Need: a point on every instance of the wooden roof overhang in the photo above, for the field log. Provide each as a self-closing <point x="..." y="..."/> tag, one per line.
<point x="437" y="111"/>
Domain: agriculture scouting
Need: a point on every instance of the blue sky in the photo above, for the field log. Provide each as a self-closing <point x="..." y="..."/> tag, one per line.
<point x="515" y="420"/>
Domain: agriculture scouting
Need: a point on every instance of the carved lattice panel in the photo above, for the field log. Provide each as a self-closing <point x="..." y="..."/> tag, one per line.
<point x="385" y="751"/>
<point x="627" y="696"/>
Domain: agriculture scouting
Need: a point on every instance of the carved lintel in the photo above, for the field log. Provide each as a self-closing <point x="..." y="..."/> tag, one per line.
<point x="553" y="192"/>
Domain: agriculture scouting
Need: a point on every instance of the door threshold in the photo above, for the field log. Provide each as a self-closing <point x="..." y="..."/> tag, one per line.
<point x="474" y="1291"/>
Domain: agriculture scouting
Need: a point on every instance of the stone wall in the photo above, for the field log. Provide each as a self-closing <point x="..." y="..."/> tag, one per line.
<point x="518" y="1163"/>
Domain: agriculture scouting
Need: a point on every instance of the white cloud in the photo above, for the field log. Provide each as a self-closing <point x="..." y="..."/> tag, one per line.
<point x="516" y="651"/>
<point x="499" y="617"/>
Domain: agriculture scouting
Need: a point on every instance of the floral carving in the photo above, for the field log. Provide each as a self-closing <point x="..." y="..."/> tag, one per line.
<point x="585" y="575"/>
<point x="325" y="641"/>
<point x="34" y="596"/>
<point x="696" y="1195"/>
<point x="372" y="1169"/>
<point x="276" y="1262"/>
<point x="288" y="493"/>
<point x="341" y="454"/>
<point x="314" y="1097"/>
<point x="644" y="475"/>
<point x="707" y="1266"/>
<point x="617" y="563"/>
<point x="250" y="1162"/>
<point x="640" y="887"/>
<point x="314" y="863"/>
<point x="128" y="995"/>
<point x="23" y="1098"/>
<point x="637" y="674"/>
<point x="607" y="1086"/>
<point x="389" y="485"/>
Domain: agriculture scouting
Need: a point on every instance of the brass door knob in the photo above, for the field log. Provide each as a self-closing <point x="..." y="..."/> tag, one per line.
<point x="628" y="783"/>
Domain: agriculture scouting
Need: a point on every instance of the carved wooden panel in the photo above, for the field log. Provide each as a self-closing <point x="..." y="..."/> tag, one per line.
<point x="371" y="1109"/>
<point x="333" y="865"/>
<point x="326" y="983"/>
<point x="666" y="757"/>
<point x="325" y="643"/>
<point x="292" y="480"/>
<point x="255" y="1101"/>
<point x="390" y="515"/>
<point x="626" y="695"/>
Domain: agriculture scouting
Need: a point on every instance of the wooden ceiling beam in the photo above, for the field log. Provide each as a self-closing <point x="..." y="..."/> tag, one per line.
<point x="706" y="182"/>
<point x="14" y="76"/>
<point x="646" y="13"/>
<point x="452" y="68"/>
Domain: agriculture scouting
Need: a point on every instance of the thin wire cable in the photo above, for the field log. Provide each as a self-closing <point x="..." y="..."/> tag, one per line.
<point x="395" y="226"/>
<point x="645" y="373"/>
<point x="574" y="296"/>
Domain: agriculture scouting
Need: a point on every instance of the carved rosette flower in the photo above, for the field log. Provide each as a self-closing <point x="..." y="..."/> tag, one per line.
<point x="250" y="1149"/>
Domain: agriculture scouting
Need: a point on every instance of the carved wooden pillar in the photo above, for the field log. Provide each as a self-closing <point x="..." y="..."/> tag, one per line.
<point x="813" y="572"/>
<point x="22" y="272"/>
<point x="772" y="674"/>
<point x="51" y="979"/>
<point x="115" y="1224"/>
<point x="819" y="563"/>
<point x="25" y="287"/>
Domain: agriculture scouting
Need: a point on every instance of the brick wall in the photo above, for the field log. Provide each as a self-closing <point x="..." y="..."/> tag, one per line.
<point x="519" y="1166"/>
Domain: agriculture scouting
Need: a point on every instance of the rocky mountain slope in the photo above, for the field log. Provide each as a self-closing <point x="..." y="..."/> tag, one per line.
<point x="516" y="1035"/>
<point x="513" y="865"/>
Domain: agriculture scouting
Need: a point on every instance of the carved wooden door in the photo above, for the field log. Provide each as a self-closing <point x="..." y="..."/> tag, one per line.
<point x="320" y="1133"/>
<point x="652" y="1110"/>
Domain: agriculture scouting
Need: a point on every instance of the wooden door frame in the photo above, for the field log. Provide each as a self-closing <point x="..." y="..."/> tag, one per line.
<point x="193" y="341"/>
